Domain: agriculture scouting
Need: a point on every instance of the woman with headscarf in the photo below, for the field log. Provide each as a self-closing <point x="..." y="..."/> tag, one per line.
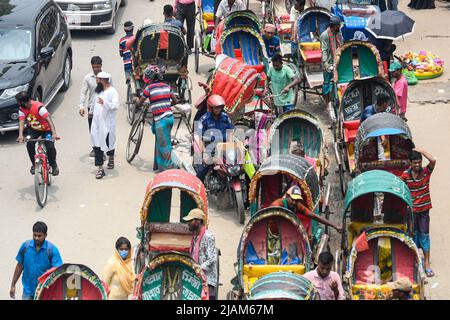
<point x="161" y="98"/>
<point x="119" y="274"/>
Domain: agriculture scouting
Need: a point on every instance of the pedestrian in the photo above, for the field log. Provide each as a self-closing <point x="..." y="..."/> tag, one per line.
<point x="271" y="41"/>
<point x="292" y="200"/>
<point x="328" y="283"/>
<point x="103" y="130"/>
<point x="125" y="52"/>
<point x="400" y="85"/>
<point x="386" y="48"/>
<point x="422" y="4"/>
<point x="87" y="96"/>
<point x="169" y="18"/>
<point x="35" y="257"/>
<point x="203" y="248"/>
<point x="185" y="10"/>
<point x="418" y="180"/>
<point x="282" y="80"/>
<point x="226" y="7"/>
<point x="39" y="125"/>
<point x="296" y="10"/>
<point x="118" y="272"/>
<point x="161" y="99"/>
<point x="330" y="41"/>
<point x="401" y="289"/>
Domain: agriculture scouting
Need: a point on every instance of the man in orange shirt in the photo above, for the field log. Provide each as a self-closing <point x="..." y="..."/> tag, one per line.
<point x="292" y="201"/>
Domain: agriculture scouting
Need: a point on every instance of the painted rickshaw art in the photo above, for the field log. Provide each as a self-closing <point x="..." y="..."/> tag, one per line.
<point x="273" y="240"/>
<point x="377" y="245"/>
<point x="71" y="282"/>
<point x="283" y="286"/>
<point x="310" y="25"/>
<point x="395" y="156"/>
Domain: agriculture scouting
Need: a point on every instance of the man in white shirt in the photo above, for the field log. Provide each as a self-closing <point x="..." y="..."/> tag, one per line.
<point x="228" y="6"/>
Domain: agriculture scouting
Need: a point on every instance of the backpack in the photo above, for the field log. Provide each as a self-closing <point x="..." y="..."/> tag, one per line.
<point x="49" y="250"/>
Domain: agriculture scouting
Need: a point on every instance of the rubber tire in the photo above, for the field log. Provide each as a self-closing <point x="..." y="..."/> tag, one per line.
<point x="68" y="60"/>
<point x="240" y="207"/>
<point x="41" y="201"/>
<point x="49" y="176"/>
<point x="342" y="183"/>
<point x="197" y="52"/>
<point x="123" y="3"/>
<point x="112" y="30"/>
<point x="131" y="111"/>
<point x="137" y="261"/>
<point x="217" y="272"/>
<point x="136" y="129"/>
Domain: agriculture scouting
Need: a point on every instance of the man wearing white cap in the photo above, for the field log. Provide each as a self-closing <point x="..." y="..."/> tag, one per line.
<point x="292" y="201"/>
<point x="103" y="130"/>
<point x="203" y="248"/>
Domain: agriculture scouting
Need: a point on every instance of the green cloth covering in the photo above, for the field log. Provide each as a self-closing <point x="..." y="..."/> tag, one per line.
<point x="279" y="80"/>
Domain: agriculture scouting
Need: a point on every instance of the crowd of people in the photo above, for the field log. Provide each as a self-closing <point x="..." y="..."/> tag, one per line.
<point x="99" y="103"/>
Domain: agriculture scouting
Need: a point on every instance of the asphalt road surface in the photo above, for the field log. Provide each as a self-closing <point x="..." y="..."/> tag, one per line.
<point x="85" y="216"/>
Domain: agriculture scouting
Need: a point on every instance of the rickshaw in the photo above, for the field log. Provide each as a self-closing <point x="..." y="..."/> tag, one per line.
<point x="310" y="25"/>
<point x="71" y="282"/>
<point x="283" y="286"/>
<point x="164" y="45"/>
<point x="275" y="176"/>
<point x="159" y="233"/>
<point x="203" y="40"/>
<point x="172" y="276"/>
<point x="395" y="156"/>
<point x="355" y="14"/>
<point x="377" y="245"/>
<point x="298" y="127"/>
<point x="273" y="240"/>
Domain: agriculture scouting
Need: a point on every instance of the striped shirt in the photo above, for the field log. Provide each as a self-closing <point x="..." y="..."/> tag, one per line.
<point x="160" y="96"/>
<point x="420" y="189"/>
<point x="125" y="53"/>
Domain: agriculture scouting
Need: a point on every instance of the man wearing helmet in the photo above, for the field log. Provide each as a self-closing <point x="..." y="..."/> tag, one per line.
<point x="161" y="99"/>
<point x="330" y="41"/>
<point x="213" y="127"/>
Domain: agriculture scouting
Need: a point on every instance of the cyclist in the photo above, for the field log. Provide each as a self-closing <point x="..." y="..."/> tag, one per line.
<point x="40" y="124"/>
<point x="213" y="127"/>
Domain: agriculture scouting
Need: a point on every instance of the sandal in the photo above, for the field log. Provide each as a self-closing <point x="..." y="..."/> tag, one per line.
<point x="429" y="272"/>
<point x="110" y="163"/>
<point x="100" y="174"/>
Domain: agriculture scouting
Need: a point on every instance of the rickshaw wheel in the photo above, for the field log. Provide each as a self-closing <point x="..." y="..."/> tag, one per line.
<point x="134" y="140"/>
<point x="218" y="254"/>
<point x="342" y="182"/>
<point x="240" y="208"/>
<point x="197" y="50"/>
<point x="131" y="107"/>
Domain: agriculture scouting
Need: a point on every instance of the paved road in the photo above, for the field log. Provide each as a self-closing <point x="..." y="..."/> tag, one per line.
<point x="86" y="216"/>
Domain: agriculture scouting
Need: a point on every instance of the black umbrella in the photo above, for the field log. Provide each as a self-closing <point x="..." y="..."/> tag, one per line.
<point x="390" y="25"/>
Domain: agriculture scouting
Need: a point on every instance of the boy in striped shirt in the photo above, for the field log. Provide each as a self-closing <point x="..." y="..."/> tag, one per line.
<point x="125" y="53"/>
<point x="418" y="180"/>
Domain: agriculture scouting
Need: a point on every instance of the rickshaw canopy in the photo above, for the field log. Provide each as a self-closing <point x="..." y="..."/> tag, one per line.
<point x="377" y="181"/>
<point x="243" y="18"/>
<point x="368" y="58"/>
<point x="157" y="202"/>
<point x="313" y="20"/>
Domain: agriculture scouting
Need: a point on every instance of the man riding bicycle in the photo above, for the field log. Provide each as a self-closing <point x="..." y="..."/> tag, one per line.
<point x="213" y="127"/>
<point x="39" y="124"/>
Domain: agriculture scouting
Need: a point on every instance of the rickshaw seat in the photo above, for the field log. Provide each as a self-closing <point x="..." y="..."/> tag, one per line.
<point x="312" y="56"/>
<point x="350" y="130"/>
<point x="378" y="292"/>
<point x="170" y="237"/>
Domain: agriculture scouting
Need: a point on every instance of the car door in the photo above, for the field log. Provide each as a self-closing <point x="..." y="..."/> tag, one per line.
<point x="47" y="35"/>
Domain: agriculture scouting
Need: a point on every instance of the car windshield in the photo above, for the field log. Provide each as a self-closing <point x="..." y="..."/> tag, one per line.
<point x="15" y="44"/>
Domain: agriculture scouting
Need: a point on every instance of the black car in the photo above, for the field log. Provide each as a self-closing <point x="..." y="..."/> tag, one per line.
<point x="35" y="55"/>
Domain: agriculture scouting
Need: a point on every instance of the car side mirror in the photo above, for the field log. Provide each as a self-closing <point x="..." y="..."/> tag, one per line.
<point x="46" y="53"/>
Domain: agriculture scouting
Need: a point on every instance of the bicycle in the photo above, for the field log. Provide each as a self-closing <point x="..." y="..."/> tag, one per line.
<point x="137" y="129"/>
<point x="42" y="170"/>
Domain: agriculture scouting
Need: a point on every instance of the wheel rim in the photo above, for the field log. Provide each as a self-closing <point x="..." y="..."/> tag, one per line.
<point x="67" y="71"/>
<point x="40" y="186"/>
<point x="133" y="141"/>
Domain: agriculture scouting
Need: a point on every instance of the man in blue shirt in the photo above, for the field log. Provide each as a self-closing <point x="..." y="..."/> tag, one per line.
<point x="35" y="257"/>
<point x="213" y="127"/>
<point x="380" y="106"/>
<point x="271" y="41"/>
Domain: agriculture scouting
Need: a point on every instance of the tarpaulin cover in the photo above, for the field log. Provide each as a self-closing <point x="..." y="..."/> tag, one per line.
<point x="313" y="20"/>
<point x="157" y="202"/>
<point x="235" y="82"/>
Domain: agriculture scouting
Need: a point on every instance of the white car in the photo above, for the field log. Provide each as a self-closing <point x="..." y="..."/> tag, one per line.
<point x="91" y="14"/>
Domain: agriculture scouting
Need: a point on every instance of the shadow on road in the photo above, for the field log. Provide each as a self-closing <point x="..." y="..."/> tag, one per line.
<point x="28" y="194"/>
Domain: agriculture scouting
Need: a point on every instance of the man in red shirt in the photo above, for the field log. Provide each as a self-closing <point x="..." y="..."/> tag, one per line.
<point x="40" y="124"/>
<point x="292" y="201"/>
<point x="418" y="180"/>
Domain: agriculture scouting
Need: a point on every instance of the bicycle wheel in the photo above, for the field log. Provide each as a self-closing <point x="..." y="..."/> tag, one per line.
<point x="135" y="139"/>
<point x="40" y="184"/>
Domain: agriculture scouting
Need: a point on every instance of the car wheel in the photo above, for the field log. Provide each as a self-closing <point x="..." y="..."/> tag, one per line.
<point x="123" y="3"/>
<point x="66" y="73"/>
<point x="112" y="30"/>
